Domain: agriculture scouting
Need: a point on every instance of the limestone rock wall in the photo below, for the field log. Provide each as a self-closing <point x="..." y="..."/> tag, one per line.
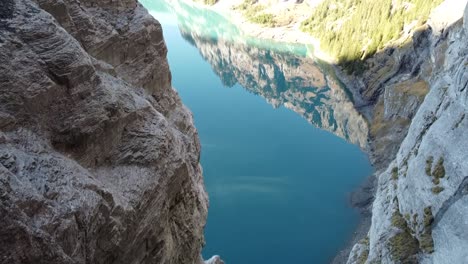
<point x="99" y="159"/>
<point x="420" y="207"/>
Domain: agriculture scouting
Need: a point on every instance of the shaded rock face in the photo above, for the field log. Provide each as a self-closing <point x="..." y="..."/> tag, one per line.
<point x="390" y="92"/>
<point x="99" y="159"/>
<point x="285" y="79"/>
<point x="420" y="208"/>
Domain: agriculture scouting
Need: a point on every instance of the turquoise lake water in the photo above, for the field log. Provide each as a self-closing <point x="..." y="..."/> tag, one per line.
<point x="280" y="140"/>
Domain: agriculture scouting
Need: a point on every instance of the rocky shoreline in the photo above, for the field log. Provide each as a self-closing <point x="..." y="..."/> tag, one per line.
<point x="361" y="199"/>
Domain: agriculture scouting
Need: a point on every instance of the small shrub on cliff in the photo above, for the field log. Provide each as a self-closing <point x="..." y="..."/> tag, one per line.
<point x="429" y="165"/>
<point x="264" y="19"/>
<point x="437" y="189"/>
<point x="426" y="241"/>
<point x="398" y="220"/>
<point x="395" y="173"/>
<point x="407" y="217"/>
<point x="428" y="218"/>
<point x="365" y="241"/>
<point x="404" y="247"/>
<point x="257" y="16"/>
<point x="210" y="2"/>
<point x="439" y="169"/>
<point x="254" y="13"/>
<point x="246" y="5"/>
<point x="365" y="253"/>
<point x="363" y="257"/>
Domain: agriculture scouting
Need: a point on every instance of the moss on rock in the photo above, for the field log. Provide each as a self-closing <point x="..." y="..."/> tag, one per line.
<point x="398" y="220"/>
<point x="210" y="2"/>
<point x="425" y="240"/>
<point x="395" y="173"/>
<point x="429" y="162"/>
<point x="363" y="257"/>
<point x="404" y="247"/>
<point x="439" y="169"/>
<point x="437" y="189"/>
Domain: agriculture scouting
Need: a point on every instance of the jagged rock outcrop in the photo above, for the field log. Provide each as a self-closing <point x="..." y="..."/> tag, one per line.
<point x="420" y="206"/>
<point x="99" y="159"/>
<point x="285" y="78"/>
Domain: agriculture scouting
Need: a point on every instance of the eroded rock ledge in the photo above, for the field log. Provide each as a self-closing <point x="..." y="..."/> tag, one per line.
<point x="99" y="159"/>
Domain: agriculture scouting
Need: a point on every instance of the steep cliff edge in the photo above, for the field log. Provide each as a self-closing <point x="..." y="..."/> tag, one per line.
<point x="99" y="159"/>
<point x="421" y="203"/>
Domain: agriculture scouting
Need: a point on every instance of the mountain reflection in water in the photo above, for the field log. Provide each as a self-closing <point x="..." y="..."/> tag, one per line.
<point x="285" y="78"/>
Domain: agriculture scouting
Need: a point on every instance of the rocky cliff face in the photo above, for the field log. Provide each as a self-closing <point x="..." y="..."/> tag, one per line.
<point x="396" y="81"/>
<point x="420" y="207"/>
<point x="99" y="159"/>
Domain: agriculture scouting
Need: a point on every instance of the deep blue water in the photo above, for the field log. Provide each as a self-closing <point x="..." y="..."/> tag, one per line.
<point x="278" y="185"/>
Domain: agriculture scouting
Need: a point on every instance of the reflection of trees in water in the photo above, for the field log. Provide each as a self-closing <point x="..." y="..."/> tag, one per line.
<point x="284" y="78"/>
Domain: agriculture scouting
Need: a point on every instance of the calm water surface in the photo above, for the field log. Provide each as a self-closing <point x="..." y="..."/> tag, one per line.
<point x="280" y="140"/>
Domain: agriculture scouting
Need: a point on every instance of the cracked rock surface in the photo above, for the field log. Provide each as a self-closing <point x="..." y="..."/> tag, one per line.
<point x="99" y="159"/>
<point x="421" y="203"/>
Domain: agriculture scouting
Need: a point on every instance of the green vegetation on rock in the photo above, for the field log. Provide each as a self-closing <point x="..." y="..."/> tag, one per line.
<point x="365" y="253"/>
<point x="210" y="2"/>
<point x="437" y="189"/>
<point x="426" y="241"/>
<point x="263" y="19"/>
<point x="255" y="13"/>
<point x="398" y="220"/>
<point x="395" y="173"/>
<point x="363" y="257"/>
<point x="407" y="217"/>
<point x="428" y="218"/>
<point x="429" y="162"/>
<point x="353" y="30"/>
<point x="439" y="169"/>
<point x="246" y="5"/>
<point x="438" y="172"/>
<point x="207" y="2"/>
<point x="403" y="245"/>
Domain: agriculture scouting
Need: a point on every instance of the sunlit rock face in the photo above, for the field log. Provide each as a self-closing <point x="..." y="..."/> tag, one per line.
<point x="285" y="78"/>
<point x="420" y="209"/>
<point x="99" y="159"/>
<point x="397" y="79"/>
